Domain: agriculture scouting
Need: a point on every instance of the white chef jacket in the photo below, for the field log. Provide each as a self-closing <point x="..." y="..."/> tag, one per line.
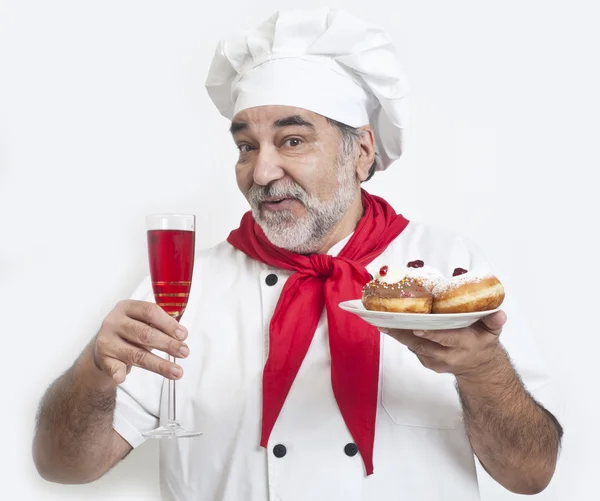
<point x="421" y="448"/>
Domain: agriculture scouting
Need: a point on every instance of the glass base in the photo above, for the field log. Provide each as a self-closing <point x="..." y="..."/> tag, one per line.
<point x="171" y="430"/>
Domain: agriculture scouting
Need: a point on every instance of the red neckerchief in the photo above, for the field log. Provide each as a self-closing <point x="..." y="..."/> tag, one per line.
<point x="322" y="280"/>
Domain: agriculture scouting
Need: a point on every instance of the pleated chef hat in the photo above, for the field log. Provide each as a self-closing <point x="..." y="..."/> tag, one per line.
<point x="323" y="60"/>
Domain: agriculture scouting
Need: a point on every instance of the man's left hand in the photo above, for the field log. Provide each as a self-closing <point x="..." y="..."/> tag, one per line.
<point x="466" y="352"/>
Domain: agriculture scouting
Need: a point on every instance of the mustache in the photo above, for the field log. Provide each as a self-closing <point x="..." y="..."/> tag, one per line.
<point x="258" y="194"/>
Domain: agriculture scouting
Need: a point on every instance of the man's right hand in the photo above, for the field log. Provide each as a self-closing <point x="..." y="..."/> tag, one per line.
<point x="129" y="333"/>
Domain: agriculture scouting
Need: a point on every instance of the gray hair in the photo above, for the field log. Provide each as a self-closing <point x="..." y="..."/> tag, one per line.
<point x="350" y="136"/>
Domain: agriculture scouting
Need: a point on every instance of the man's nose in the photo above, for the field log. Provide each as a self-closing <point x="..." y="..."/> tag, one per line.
<point x="268" y="166"/>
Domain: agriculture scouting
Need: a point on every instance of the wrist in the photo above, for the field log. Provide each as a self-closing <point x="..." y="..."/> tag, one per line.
<point x="495" y="367"/>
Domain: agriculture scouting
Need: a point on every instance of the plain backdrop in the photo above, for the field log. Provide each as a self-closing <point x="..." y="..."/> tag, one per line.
<point x="104" y="118"/>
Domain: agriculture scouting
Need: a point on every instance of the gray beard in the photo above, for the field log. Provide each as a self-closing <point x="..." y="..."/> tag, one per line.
<point x="303" y="235"/>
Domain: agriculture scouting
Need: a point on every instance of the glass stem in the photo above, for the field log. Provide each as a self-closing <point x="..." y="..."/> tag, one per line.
<point x="172" y="415"/>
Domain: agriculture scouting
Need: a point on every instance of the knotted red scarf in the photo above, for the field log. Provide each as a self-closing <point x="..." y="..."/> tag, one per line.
<point x="320" y="280"/>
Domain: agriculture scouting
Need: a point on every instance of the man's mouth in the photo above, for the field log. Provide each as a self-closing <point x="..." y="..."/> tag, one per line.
<point x="275" y="204"/>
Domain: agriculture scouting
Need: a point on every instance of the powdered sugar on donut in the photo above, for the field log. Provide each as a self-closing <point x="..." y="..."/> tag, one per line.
<point x="447" y="284"/>
<point x="428" y="275"/>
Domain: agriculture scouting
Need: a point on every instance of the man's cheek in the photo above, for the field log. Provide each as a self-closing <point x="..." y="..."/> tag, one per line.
<point x="243" y="178"/>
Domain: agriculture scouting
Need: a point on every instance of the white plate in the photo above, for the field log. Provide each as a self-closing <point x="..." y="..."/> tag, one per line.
<point x="419" y="321"/>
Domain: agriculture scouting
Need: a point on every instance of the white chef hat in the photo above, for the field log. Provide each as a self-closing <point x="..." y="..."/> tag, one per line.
<point x="323" y="60"/>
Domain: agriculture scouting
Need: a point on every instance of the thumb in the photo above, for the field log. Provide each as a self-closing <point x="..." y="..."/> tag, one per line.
<point x="494" y="323"/>
<point x="116" y="369"/>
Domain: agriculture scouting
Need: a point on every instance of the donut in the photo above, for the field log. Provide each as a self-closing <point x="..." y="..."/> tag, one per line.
<point x="467" y="292"/>
<point x="391" y="290"/>
<point x="426" y="274"/>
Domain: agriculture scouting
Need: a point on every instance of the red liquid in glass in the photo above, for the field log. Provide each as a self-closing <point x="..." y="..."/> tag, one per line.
<point x="171" y="254"/>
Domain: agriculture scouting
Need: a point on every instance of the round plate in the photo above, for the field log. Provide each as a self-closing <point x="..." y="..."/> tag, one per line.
<point x="414" y="321"/>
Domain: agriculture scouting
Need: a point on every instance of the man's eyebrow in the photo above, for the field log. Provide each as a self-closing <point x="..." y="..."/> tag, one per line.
<point x="237" y="127"/>
<point x="293" y="120"/>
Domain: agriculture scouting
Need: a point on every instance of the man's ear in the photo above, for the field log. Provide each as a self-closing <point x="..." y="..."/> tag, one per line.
<point x="367" y="152"/>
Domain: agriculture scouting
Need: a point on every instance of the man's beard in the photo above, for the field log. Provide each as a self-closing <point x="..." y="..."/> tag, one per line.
<point x="304" y="234"/>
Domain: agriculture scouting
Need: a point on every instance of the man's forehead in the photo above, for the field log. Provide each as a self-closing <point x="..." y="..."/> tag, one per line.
<point x="269" y="115"/>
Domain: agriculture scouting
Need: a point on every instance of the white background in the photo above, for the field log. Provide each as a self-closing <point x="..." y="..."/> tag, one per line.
<point x="104" y="118"/>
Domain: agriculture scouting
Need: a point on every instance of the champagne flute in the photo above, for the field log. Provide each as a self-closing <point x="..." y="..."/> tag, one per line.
<point x="171" y="245"/>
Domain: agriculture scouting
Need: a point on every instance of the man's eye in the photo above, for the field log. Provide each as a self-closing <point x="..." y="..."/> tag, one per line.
<point x="294" y="142"/>
<point x="244" y="148"/>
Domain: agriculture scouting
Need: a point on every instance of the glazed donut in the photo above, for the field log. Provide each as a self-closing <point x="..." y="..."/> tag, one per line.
<point x="467" y="292"/>
<point x="391" y="290"/>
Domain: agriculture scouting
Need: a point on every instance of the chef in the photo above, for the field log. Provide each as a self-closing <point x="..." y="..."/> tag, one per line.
<point x="298" y="399"/>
